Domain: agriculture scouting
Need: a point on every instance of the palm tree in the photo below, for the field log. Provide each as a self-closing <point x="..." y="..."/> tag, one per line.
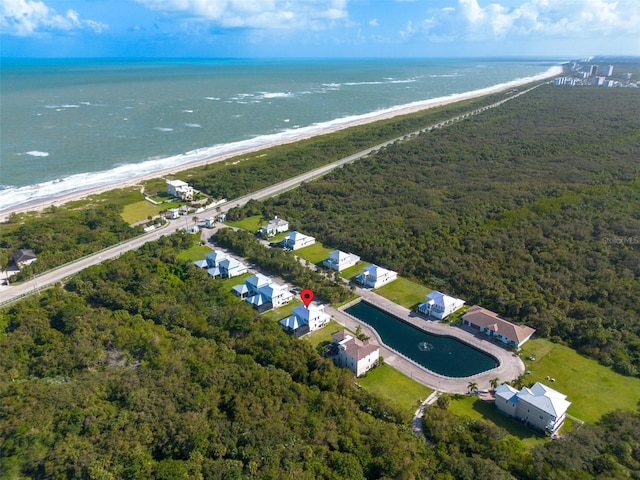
<point x="472" y="387"/>
<point x="494" y="382"/>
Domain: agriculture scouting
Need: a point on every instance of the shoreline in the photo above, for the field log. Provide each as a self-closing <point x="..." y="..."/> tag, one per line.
<point x="407" y="109"/>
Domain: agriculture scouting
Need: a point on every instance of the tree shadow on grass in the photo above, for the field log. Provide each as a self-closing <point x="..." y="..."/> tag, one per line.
<point x="489" y="412"/>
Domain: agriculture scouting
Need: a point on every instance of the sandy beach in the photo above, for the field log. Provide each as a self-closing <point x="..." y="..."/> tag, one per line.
<point x="363" y="119"/>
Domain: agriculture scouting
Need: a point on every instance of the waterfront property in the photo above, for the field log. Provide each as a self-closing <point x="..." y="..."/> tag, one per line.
<point x="540" y="407"/>
<point x="274" y="227"/>
<point x="440" y="354"/>
<point x="263" y="293"/>
<point x="357" y="355"/>
<point x="439" y="305"/>
<point x="339" y="260"/>
<point x="180" y="189"/>
<point x="375" y="276"/>
<point x="296" y="240"/>
<point x="304" y="320"/>
<point x="491" y="324"/>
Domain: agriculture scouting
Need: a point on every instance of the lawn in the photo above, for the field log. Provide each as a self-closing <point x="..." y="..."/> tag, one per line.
<point x="400" y="391"/>
<point x="229" y="283"/>
<point x="282" y="312"/>
<point x="323" y="334"/>
<point x="351" y="272"/>
<point x="252" y="224"/>
<point x="138" y="211"/>
<point x="473" y="407"/>
<point x="315" y="253"/>
<point x="404" y="292"/>
<point x="197" y="252"/>
<point x="592" y="388"/>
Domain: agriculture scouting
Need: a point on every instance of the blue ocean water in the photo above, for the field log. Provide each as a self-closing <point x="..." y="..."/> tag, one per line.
<point x="68" y="125"/>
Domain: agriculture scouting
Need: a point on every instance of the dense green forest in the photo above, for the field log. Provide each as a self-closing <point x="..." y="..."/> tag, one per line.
<point x="531" y="209"/>
<point x="144" y="367"/>
<point x="62" y="234"/>
<point x="277" y="262"/>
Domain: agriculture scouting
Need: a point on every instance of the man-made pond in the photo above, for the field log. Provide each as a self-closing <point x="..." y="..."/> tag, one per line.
<point x="440" y="354"/>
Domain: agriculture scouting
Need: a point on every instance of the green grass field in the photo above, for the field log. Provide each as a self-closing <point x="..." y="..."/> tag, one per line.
<point x="197" y="252"/>
<point x="138" y="211"/>
<point x="323" y="334"/>
<point x="229" y="283"/>
<point x="475" y="408"/>
<point x="404" y="292"/>
<point x="252" y="224"/>
<point x="592" y="388"/>
<point x="315" y="253"/>
<point x="400" y="391"/>
<point x="284" y="311"/>
<point x="351" y="272"/>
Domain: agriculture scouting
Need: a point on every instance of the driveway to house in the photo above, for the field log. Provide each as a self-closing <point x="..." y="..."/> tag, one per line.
<point x="510" y="365"/>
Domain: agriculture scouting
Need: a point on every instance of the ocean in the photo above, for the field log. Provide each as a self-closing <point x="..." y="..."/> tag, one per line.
<point x="72" y="125"/>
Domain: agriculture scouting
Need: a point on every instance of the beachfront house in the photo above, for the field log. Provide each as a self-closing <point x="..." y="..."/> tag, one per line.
<point x="263" y="293"/>
<point x="540" y="407"/>
<point x="339" y="260"/>
<point x="375" y="276"/>
<point x="304" y="320"/>
<point x="24" y="257"/>
<point x="180" y="189"/>
<point x="491" y="324"/>
<point x="357" y="355"/>
<point x="297" y="240"/>
<point x="274" y="227"/>
<point x="439" y="305"/>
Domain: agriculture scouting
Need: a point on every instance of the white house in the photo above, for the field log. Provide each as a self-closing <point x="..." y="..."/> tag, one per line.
<point x="440" y="305"/>
<point x="209" y="222"/>
<point x="24" y="257"/>
<point x="275" y="226"/>
<point x="173" y="213"/>
<point x="541" y="407"/>
<point x="219" y="264"/>
<point x="375" y="277"/>
<point x="357" y="355"/>
<point x="230" y="267"/>
<point x="339" y="260"/>
<point x="297" y="240"/>
<point x="263" y="293"/>
<point x="304" y="320"/>
<point x="180" y="189"/>
<point x="491" y="324"/>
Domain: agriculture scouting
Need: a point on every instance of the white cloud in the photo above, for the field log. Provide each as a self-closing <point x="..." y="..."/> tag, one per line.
<point x="262" y="14"/>
<point x="475" y="20"/>
<point x="374" y="22"/>
<point x="29" y="17"/>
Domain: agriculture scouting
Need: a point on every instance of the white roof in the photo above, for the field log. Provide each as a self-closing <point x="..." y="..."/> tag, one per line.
<point x="258" y="280"/>
<point x="506" y="392"/>
<point x="201" y="263"/>
<point x="230" y="263"/>
<point x="214" y="272"/>
<point x="177" y="183"/>
<point x="306" y="313"/>
<point x="442" y="299"/>
<point x="376" y="271"/>
<point x="546" y="399"/>
<point x="216" y="256"/>
<point x="295" y="236"/>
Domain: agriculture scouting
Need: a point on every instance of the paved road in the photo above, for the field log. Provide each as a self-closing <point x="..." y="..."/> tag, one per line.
<point x="12" y="292"/>
<point x="510" y="365"/>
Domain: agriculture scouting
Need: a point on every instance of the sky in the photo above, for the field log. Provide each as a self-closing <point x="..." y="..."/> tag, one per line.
<point x="569" y="29"/>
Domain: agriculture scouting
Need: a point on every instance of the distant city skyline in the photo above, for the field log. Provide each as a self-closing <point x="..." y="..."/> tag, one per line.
<point x="318" y="28"/>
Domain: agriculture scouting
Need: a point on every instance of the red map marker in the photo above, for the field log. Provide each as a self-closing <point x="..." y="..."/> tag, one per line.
<point x="306" y="295"/>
